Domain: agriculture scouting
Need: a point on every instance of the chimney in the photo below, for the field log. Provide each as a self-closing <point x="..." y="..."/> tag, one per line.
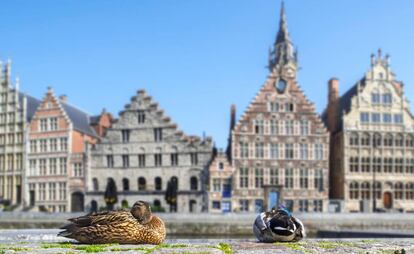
<point x="63" y="98"/>
<point x="333" y="105"/>
<point x="229" y="140"/>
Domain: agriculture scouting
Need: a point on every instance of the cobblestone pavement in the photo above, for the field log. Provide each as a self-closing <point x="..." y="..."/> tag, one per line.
<point x="46" y="241"/>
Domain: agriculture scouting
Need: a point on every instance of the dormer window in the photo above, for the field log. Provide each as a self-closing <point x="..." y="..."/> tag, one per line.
<point x="387" y="98"/>
<point x="375" y="98"/>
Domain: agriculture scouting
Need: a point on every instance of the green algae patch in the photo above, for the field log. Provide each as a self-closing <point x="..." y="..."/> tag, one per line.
<point x="296" y="246"/>
<point x="225" y="247"/>
<point x="91" y="248"/>
<point x="63" y="245"/>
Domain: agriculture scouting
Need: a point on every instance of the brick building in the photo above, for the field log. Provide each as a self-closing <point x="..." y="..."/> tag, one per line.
<point x="58" y="135"/>
<point x="280" y="140"/>
<point x="142" y="152"/>
<point x="372" y="134"/>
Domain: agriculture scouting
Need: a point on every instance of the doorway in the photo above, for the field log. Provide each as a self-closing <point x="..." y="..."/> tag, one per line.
<point x="387" y="200"/>
<point x="77" y="202"/>
<point x="32" y="197"/>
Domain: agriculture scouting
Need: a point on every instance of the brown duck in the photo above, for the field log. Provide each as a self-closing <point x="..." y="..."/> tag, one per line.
<point x="137" y="226"/>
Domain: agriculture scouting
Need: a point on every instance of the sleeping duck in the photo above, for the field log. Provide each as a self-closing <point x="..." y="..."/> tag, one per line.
<point x="137" y="226"/>
<point x="278" y="225"/>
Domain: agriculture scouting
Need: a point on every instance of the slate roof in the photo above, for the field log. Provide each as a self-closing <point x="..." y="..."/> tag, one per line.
<point x="94" y="119"/>
<point x="80" y="120"/>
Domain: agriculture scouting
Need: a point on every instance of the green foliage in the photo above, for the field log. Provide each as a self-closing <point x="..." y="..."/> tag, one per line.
<point x="157" y="209"/>
<point x="225" y="247"/>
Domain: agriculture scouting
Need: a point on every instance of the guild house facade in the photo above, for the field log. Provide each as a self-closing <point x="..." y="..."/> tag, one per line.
<point x="280" y="140"/>
<point x="372" y="133"/>
<point x="149" y="159"/>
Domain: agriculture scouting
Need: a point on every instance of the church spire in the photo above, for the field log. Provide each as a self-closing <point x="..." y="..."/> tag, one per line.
<point x="283" y="51"/>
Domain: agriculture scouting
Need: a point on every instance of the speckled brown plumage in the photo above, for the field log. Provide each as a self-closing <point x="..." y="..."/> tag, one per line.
<point x="137" y="226"/>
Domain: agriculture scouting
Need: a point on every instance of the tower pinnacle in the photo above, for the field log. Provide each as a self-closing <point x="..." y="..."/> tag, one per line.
<point x="283" y="51"/>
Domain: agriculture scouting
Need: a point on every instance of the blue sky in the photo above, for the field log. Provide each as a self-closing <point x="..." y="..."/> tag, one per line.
<point x="196" y="57"/>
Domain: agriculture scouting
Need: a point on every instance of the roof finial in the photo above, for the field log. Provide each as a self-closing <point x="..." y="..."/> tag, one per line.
<point x="379" y="53"/>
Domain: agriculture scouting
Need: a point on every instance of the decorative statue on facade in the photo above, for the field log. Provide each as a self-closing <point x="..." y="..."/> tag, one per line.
<point x="171" y="194"/>
<point x="111" y="194"/>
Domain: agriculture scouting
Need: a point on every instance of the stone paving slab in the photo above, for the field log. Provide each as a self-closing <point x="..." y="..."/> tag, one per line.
<point x="46" y="241"/>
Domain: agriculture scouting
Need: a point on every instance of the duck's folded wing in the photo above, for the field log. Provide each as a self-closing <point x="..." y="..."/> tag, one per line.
<point x="100" y="218"/>
<point x="300" y="228"/>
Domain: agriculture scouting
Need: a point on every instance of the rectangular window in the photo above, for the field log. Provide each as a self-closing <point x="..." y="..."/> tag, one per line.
<point x="376" y="117"/>
<point x="388" y="165"/>
<point x="258" y="180"/>
<point x="158" y="134"/>
<point x="289" y="127"/>
<point x="52" y="191"/>
<point x="318" y="180"/>
<point x="398" y="118"/>
<point x="125" y="161"/>
<point x="259" y="150"/>
<point x="365" y="164"/>
<point x="244" y="205"/>
<point x="141" y="160"/>
<point x="274" y="176"/>
<point x="289" y="178"/>
<point x="194" y="158"/>
<point x="33" y="146"/>
<point x="375" y="98"/>
<point x="354" y="164"/>
<point x="158" y="159"/>
<point x="387" y="98"/>
<point x="288" y="107"/>
<point x="318" y="152"/>
<point x="399" y="165"/>
<point x="364" y="117"/>
<point x="62" y="166"/>
<point x="216" y="205"/>
<point x="42" y="167"/>
<point x="216" y="184"/>
<point x="304" y="178"/>
<point x="244" y="177"/>
<point x="274" y="151"/>
<point x="43" y="124"/>
<point x="62" y="191"/>
<point x="386" y="118"/>
<point x="244" y="150"/>
<point x="174" y="159"/>
<point x="125" y="135"/>
<point x="63" y="144"/>
<point x="32" y="167"/>
<point x="53" y="123"/>
<point x="289" y="151"/>
<point x="274" y="107"/>
<point x="258" y="127"/>
<point x="53" y="166"/>
<point x="141" y="116"/>
<point x="303" y="205"/>
<point x="318" y="206"/>
<point x="43" y="145"/>
<point x="78" y="169"/>
<point x="274" y="127"/>
<point x="303" y="151"/>
<point x="53" y="145"/>
<point x="110" y="161"/>
<point x="304" y="127"/>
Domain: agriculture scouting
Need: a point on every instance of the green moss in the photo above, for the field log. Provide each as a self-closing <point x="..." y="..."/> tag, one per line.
<point x="333" y="244"/>
<point x="63" y="245"/>
<point x="174" y="245"/>
<point x="225" y="247"/>
<point x="19" y="249"/>
<point x="369" y="241"/>
<point x="128" y="249"/>
<point x="91" y="248"/>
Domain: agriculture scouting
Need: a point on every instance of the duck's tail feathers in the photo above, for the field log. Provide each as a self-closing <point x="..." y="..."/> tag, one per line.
<point x="69" y="230"/>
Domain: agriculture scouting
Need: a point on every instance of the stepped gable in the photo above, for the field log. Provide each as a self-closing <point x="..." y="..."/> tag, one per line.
<point x="143" y="101"/>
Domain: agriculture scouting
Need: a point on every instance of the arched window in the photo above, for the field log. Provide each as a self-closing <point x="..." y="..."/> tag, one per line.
<point x="388" y="140"/>
<point x="353" y="139"/>
<point x="409" y="191"/>
<point x="193" y="183"/>
<point x="365" y="190"/>
<point x="221" y="165"/>
<point x="365" y="139"/>
<point x="398" y="190"/>
<point x="174" y="181"/>
<point x="157" y="203"/>
<point x="158" y="183"/>
<point x="409" y="142"/>
<point x="377" y="140"/>
<point x="354" y="190"/>
<point x="399" y="140"/>
<point x="378" y="190"/>
<point x="142" y="184"/>
<point x="125" y="184"/>
<point x="95" y="184"/>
